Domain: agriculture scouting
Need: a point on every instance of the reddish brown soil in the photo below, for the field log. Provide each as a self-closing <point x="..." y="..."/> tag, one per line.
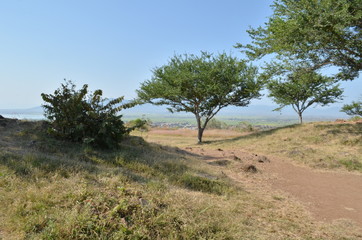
<point x="328" y="195"/>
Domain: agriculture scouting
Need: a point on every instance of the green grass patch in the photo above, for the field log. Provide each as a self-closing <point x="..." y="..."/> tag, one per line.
<point x="203" y="184"/>
<point x="352" y="164"/>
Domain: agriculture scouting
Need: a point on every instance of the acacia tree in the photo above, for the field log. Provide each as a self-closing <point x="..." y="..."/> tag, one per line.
<point x="201" y="85"/>
<point x="302" y="89"/>
<point x="322" y="32"/>
<point x="355" y="108"/>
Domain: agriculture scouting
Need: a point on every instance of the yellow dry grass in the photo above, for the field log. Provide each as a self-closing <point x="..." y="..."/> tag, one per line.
<point x="51" y="189"/>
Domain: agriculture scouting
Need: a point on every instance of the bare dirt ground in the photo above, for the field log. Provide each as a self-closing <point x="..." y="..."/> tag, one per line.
<point x="328" y="195"/>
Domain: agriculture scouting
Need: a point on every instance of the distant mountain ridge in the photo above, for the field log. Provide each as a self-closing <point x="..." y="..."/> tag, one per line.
<point x="34" y="110"/>
<point x="251" y="110"/>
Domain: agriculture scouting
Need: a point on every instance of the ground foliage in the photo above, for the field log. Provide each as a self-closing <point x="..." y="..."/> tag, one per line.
<point x="54" y="189"/>
<point x="81" y="116"/>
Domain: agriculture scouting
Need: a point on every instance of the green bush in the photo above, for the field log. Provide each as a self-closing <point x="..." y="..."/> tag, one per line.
<point x="80" y="116"/>
<point x="140" y="124"/>
<point x="245" y="127"/>
<point x="216" y="124"/>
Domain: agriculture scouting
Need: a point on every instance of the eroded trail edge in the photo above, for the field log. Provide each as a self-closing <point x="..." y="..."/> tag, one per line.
<point x="327" y="195"/>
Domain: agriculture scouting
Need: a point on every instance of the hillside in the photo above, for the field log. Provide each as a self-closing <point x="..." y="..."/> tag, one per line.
<point x="159" y="188"/>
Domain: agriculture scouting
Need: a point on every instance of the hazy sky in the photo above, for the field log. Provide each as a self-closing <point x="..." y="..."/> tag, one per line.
<point x="113" y="45"/>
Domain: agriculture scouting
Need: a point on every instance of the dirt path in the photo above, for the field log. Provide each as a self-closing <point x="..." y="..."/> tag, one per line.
<point x="328" y="195"/>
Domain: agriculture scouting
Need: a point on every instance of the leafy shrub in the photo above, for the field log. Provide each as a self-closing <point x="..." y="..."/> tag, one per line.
<point x="355" y="118"/>
<point x="245" y="127"/>
<point x="216" y="124"/>
<point x="80" y="116"/>
<point x="140" y="124"/>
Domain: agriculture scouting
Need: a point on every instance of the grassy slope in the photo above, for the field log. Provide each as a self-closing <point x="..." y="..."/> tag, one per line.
<point x="320" y="145"/>
<point x="55" y="190"/>
<point x="326" y="145"/>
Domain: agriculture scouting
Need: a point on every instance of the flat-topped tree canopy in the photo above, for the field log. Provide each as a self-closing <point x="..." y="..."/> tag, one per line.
<point x="322" y="32"/>
<point x="301" y="88"/>
<point x="201" y="85"/>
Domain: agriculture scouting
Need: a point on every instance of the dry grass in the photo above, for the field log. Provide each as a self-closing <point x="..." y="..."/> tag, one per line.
<point x="186" y="137"/>
<point x="319" y="145"/>
<point x="329" y="145"/>
<point x="55" y="190"/>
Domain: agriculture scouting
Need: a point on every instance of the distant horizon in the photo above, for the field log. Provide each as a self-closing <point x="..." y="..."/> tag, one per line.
<point x="253" y="110"/>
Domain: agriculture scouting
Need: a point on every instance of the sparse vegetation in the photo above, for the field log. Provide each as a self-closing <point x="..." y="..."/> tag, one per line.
<point x="81" y="175"/>
<point x="54" y="189"/>
<point x="320" y="145"/>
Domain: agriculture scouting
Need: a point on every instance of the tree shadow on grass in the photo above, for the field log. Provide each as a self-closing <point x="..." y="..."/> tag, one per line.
<point x="55" y="155"/>
<point x="135" y="159"/>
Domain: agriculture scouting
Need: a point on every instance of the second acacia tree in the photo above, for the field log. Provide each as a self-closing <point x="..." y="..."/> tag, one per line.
<point x="201" y="85"/>
<point x="302" y="88"/>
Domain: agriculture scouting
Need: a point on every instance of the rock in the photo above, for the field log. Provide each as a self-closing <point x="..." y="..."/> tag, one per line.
<point x="263" y="159"/>
<point x="219" y="149"/>
<point x="1" y="117"/>
<point x="236" y="158"/>
<point x="250" y="168"/>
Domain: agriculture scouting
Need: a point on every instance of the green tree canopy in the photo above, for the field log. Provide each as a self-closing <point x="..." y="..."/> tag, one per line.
<point x="201" y="85"/>
<point x="302" y="89"/>
<point x="355" y="108"/>
<point x="323" y="32"/>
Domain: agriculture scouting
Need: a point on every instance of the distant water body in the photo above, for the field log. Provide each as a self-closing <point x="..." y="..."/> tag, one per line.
<point x="24" y="116"/>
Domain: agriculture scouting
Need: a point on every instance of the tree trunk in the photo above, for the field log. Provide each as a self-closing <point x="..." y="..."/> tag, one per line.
<point x="199" y="127"/>
<point x="200" y="133"/>
<point x="300" y="117"/>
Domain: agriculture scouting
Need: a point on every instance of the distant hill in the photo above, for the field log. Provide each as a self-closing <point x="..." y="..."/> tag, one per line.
<point x="34" y="110"/>
<point x="257" y="110"/>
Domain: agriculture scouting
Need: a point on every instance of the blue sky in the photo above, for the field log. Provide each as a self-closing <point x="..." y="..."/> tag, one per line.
<point x="114" y="45"/>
